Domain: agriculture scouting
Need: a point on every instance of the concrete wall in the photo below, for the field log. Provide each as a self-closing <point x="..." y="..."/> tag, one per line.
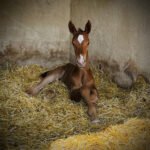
<point x="120" y="29"/>
<point x="34" y="31"/>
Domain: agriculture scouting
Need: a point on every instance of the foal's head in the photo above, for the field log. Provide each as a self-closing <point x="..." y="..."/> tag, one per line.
<point x="80" y="42"/>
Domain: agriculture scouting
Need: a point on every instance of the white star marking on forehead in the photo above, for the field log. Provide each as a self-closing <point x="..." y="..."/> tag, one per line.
<point x="80" y="38"/>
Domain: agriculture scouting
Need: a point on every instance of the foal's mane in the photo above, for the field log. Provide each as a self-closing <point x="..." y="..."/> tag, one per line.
<point x="80" y="30"/>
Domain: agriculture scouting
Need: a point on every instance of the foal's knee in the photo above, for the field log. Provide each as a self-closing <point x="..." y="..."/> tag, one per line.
<point x="93" y="96"/>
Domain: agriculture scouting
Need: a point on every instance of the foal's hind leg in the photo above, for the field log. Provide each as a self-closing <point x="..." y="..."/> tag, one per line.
<point x="47" y="78"/>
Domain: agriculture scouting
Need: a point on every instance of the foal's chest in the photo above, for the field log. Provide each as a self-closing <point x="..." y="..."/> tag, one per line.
<point x="77" y="77"/>
<point x="81" y="77"/>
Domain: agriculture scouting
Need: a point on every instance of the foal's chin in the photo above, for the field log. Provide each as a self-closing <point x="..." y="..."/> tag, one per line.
<point x="81" y="65"/>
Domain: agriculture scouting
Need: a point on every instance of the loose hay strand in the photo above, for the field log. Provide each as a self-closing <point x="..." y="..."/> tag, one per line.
<point x="32" y="122"/>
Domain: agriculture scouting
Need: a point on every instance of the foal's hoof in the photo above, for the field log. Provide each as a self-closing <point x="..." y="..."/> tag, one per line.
<point x="31" y="92"/>
<point x="95" y="121"/>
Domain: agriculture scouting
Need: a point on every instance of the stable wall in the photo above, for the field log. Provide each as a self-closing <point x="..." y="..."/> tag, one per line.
<point x="120" y="29"/>
<point x="36" y="31"/>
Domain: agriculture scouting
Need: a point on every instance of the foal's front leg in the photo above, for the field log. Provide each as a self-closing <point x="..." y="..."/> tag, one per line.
<point x="47" y="78"/>
<point x="90" y="96"/>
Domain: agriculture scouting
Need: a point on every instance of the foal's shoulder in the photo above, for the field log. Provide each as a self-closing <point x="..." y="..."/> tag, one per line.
<point x="71" y="68"/>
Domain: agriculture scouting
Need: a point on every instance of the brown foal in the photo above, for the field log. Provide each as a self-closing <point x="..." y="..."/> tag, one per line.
<point x="78" y="77"/>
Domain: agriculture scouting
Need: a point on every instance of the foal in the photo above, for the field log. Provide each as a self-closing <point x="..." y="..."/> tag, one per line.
<point x="78" y="77"/>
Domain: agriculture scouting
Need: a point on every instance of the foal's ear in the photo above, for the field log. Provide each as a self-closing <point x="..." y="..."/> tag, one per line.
<point x="72" y="27"/>
<point x="88" y="27"/>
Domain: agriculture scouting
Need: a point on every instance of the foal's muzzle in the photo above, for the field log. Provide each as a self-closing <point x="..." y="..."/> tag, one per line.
<point x="81" y="61"/>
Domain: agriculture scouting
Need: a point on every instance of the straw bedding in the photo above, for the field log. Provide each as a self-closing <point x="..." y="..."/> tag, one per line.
<point x="132" y="135"/>
<point x="35" y="122"/>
